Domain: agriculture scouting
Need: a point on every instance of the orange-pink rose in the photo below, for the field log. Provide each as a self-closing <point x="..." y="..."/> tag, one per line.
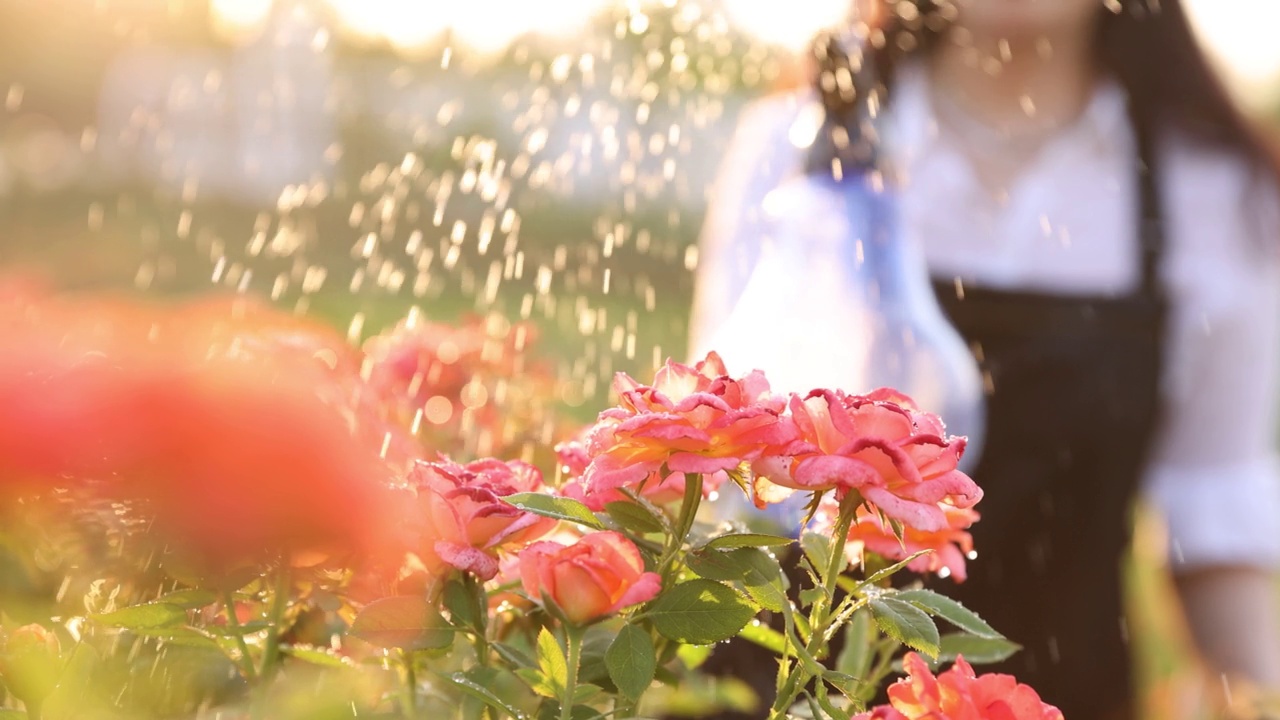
<point x="899" y="458"/>
<point x="692" y="420"/>
<point x="595" y="577"/>
<point x="574" y="458"/>
<point x="948" y="547"/>
<point x="959" y="694"/>
<point x="464" y="506"/>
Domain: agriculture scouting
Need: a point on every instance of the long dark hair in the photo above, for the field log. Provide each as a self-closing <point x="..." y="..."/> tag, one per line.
<point x="1145" y="45"/>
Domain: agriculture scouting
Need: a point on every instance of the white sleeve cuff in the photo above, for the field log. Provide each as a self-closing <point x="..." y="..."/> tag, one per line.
<point x="1226" y="514"/>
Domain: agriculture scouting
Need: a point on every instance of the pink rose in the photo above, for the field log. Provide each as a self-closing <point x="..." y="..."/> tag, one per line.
<point x="880" y="445"/>
<point x="597" y="576"/>
<point x="959" y="694"/>
<point x="469" y="519"/>
<point x="692" y="420"/>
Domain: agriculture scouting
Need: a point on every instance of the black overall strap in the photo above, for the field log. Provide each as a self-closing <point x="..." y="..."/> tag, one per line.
<point x="1151" y="226"/>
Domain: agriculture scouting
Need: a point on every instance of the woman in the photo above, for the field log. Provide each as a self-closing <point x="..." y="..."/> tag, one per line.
<point x="1102" y="227"/>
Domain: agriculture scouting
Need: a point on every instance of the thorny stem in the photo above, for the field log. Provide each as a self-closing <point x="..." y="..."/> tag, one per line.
<point x="410" y="699"/>
<point x="798" y="675"/>
<point x="480" y="637"/>
<point x="233" y="622"/>
<point x="279" y="599"/>
<point x="684" y="523"/>
<point x="573" y="641"/>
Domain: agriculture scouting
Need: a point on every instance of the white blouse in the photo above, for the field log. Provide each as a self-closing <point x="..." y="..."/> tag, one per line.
<point x="1067" y="225"/>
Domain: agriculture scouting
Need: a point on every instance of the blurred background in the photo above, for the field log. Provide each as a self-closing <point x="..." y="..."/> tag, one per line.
<point x="352" y="159"/>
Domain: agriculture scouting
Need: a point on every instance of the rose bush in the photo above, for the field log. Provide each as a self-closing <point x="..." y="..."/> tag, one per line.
<point x="335" y="548"/>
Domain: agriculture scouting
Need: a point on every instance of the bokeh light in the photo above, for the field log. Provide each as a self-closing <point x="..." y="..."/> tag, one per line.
<point x="1241" y="34"/>
<point x="240" y="16"/>
<point x="788" y="25"/>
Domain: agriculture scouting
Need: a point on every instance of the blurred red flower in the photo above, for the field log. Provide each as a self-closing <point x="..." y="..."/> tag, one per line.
<point x="224" y="422"/>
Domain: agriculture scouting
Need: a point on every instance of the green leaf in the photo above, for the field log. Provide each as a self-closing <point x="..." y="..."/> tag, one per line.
<point x="742" y="540"/>
<point x="949" y="610"/>
<point x="190" y="599"/>
<point x="514" y="656"/>
<point x="182" y="636"/>
<point x="552" y="661"/>
<point x="817" y="548"/>
<point x="406" y="622"/>
<point x="976" y="650"/>
<point x="759" y="573"/>
<point x="882" y="574"/>
<point x="906" y="623"/>
<point x="481" y="693"/>
<point x="75" y="684"/>
<point x="464" y="601"/>
<point x="764" y="636"/>
<point x="322" y="656"/>
<point x="560" y="508"/>
<point x="716" y="565"/>
<point x="634" y="517"/>
<point x="700" y="612"/>
<point x="631" y="661"/>
<point x="859" y="640"/>
<point x="149" y="616"/>
<point x="12" y="715"/>
<point x="763" y="578"/>
<point x="244" y="628"/>
<point x="537" y="682"/>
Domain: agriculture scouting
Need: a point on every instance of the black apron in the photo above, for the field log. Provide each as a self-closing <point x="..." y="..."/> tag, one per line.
<point x="1073" y="405"/>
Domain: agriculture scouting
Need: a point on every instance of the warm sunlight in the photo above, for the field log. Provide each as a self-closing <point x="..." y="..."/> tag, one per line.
<point x="1242" y="35"/>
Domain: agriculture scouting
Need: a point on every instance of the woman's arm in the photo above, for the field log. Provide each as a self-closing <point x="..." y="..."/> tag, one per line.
<point x="1215" y="473"/>
<point x="1232" y="613"/>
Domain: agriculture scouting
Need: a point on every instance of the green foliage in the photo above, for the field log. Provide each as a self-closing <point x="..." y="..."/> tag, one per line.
<point x="560" y="508"/>
<point x="976" y="650"/>
<point x="478" y="691"/>
<point x="906" y="623"/>
<point x="404" y="622"/>
<point x="192" y="599"/>
<point x="743" y="540"/>
<point x="953" y="612"/>
<point x="635" y="517"/>
<point x="817" y="550"/>
<point x="321" y="656"/>
<point x="465" y="602"/>
<point x="631" y="661"/>
<point x="551" y="662"/>
<point x="858" y="651"/>
<point x="148" y="616"/>
<point x="700" y="612"/>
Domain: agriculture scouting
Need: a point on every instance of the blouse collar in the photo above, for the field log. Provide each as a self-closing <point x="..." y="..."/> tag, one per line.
<point x="911" y="127"/>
